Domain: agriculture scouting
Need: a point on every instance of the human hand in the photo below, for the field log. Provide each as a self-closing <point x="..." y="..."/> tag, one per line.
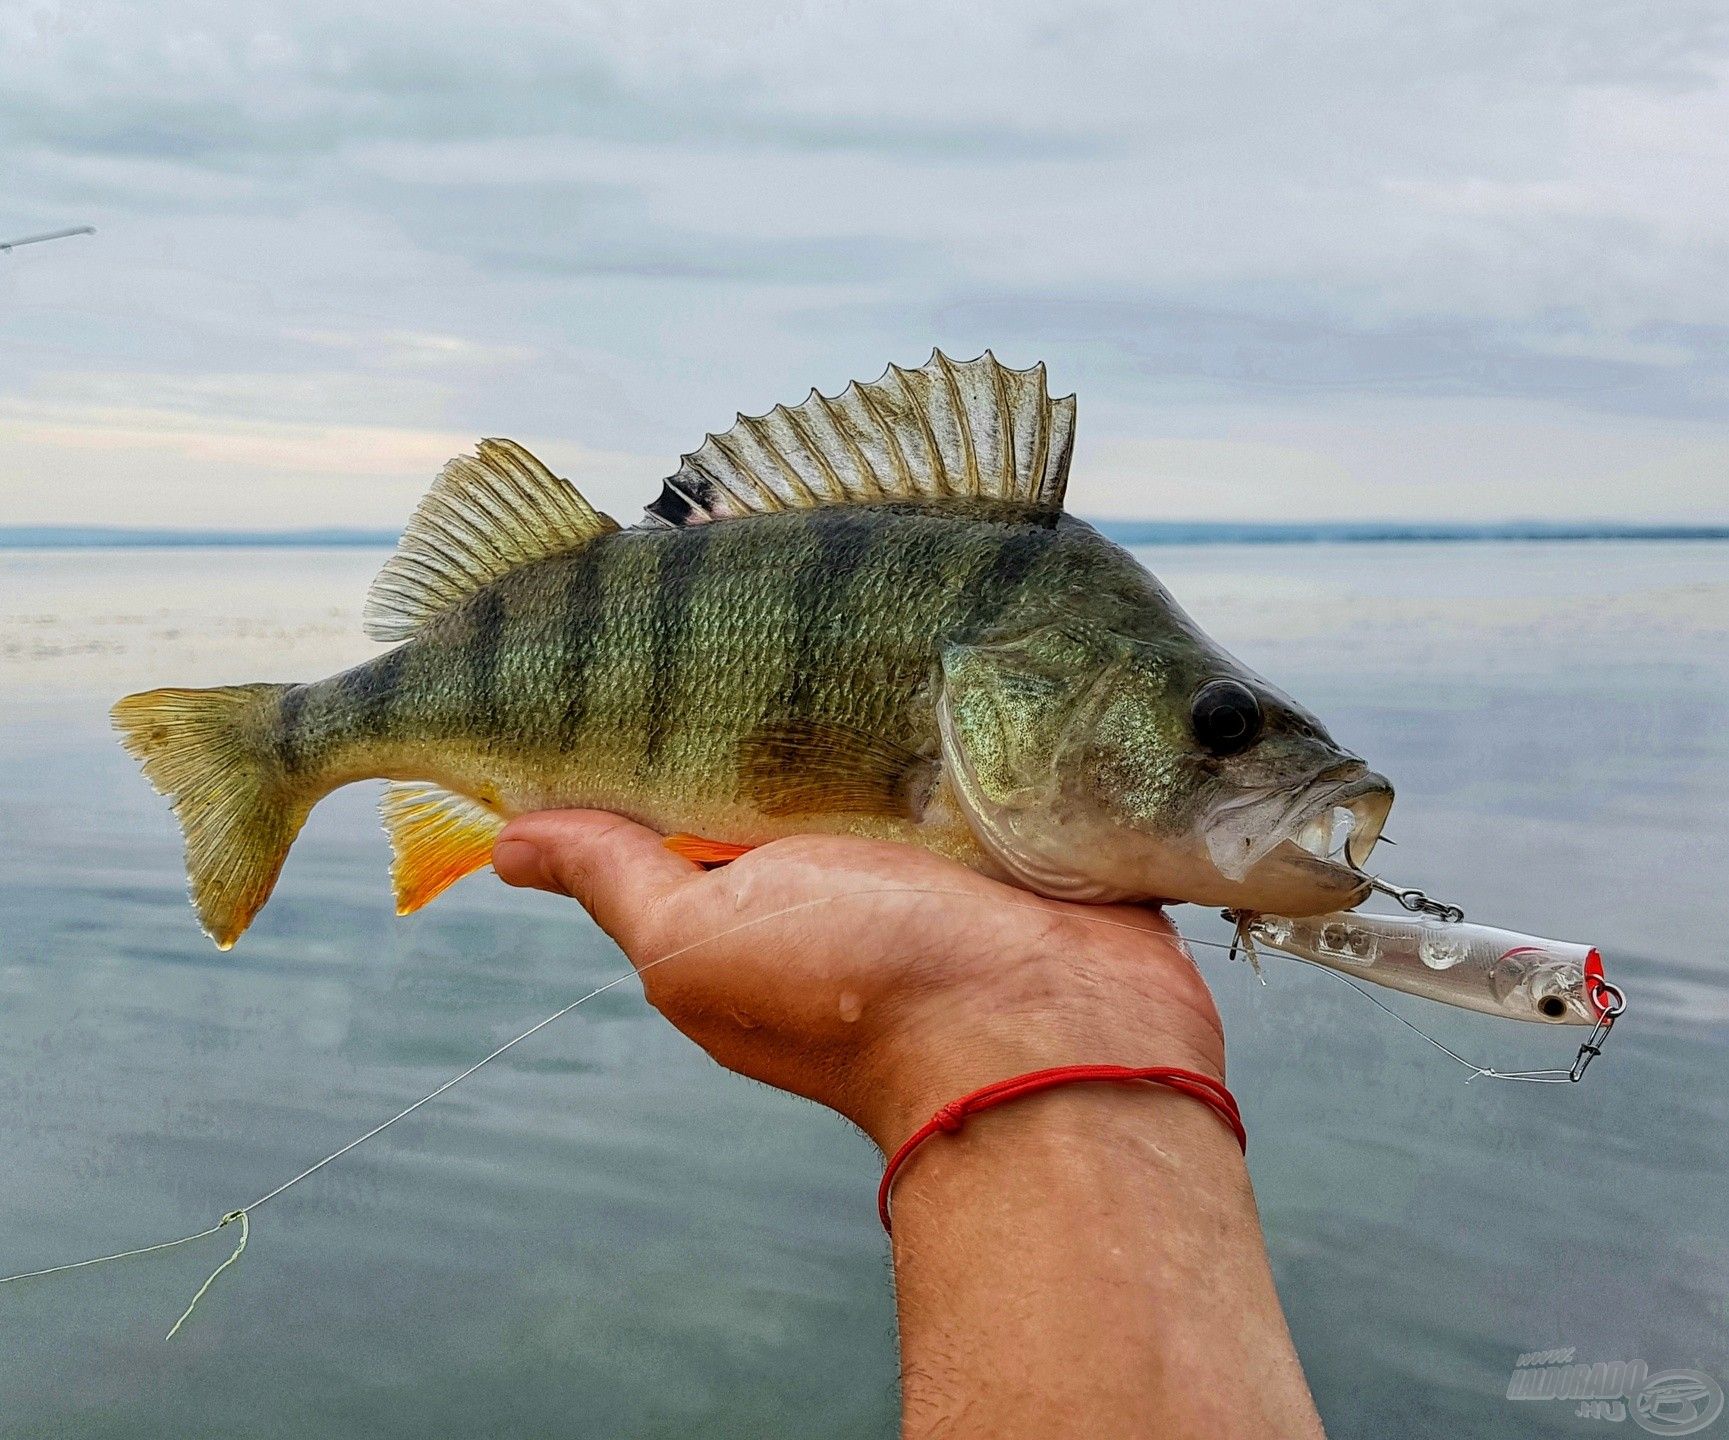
<point x="1125" y="1289"/>
<point x="875" y="978"/>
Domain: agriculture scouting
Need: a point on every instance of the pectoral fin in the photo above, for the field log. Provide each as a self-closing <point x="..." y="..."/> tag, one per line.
<point x="438" y="837"/>
<point x="813" y="768"/>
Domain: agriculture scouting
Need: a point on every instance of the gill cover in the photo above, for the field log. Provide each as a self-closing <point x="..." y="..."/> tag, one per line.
<point x="1007" y="715"/>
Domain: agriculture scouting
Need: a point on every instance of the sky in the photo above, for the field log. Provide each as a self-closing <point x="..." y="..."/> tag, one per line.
<point x="1300" y="259"/>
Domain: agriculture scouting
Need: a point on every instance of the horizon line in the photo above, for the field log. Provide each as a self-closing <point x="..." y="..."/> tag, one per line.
<point x="1126" y="531"/>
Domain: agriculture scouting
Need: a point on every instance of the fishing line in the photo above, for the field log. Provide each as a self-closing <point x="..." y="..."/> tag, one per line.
<point x="1537" y="1077"/>
<point x="241" y="1214"/>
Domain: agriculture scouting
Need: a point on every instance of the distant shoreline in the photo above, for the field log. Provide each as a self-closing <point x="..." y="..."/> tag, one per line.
<point x="1126" y="532"/>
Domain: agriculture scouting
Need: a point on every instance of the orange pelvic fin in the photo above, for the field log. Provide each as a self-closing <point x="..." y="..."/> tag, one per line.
<point x="705" y="852"/>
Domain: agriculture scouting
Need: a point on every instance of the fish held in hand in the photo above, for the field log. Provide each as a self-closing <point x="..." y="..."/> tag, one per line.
<point x="865" y="615"/>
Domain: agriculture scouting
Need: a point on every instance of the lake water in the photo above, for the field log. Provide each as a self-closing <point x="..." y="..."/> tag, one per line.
<point x="605" y="1235"/>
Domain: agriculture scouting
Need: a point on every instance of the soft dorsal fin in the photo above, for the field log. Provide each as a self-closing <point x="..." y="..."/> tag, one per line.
<point x="948" y="430"/>
<point x="485" y="515"/>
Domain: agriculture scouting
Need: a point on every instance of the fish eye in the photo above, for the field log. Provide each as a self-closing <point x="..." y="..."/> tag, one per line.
<point x="1553" y="1006"/>
<point x="1226" y="717"/>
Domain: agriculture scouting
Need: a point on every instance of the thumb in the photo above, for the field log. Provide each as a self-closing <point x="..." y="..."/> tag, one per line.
<point x="615" y="869"/>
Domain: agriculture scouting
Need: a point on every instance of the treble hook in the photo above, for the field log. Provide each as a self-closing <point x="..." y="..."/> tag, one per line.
<point x="1242" y="939"/>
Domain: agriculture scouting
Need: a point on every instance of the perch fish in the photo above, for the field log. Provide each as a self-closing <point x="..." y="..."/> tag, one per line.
<point x="865" y="615"/>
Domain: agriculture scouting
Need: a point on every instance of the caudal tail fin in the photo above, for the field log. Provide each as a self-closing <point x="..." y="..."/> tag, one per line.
<point x="215" y="754"/>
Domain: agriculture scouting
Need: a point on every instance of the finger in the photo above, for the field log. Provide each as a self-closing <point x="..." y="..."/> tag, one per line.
<point x="615" y="869"/>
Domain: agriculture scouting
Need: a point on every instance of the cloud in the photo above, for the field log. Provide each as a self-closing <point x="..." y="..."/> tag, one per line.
<point x="144" y="465"/>
<point x="614" y="225"/>
<point x="1400" y="458"/>
<point x="1266" y="356"/>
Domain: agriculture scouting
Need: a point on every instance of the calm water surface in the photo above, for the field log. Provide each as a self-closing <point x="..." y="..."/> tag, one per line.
<point x="606" y="1235"/>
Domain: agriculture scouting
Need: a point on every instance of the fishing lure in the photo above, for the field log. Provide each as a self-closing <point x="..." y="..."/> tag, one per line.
<point x="1475" y="967"/>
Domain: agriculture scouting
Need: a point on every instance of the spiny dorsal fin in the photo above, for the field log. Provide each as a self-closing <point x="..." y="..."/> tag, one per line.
<point x="948" y="430"/>
<point x="485" y="515"/>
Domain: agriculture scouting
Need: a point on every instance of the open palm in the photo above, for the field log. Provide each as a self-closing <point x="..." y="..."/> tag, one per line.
<point x="876" y="978"/>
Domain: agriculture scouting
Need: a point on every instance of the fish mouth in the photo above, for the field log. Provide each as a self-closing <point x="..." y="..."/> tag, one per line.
<point x="1342" y="824"/>
<point x="1336" y="819"/>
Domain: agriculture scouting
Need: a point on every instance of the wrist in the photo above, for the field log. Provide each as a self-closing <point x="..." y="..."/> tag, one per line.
<point x="946" y="1049"/>
<point x="949" y="1119"/>
<point x="1069" y="1153"/>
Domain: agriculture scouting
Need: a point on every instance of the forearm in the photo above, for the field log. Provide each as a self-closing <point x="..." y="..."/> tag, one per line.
<point x="1088" y="1261"/>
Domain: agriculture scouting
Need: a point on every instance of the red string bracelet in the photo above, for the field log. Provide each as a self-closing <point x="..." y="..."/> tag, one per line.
<point x="949" y="1118"/>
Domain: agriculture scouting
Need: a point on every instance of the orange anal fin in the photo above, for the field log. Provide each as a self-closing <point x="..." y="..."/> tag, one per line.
<point x="438" y="838"/>
<point x="705" y="852"/>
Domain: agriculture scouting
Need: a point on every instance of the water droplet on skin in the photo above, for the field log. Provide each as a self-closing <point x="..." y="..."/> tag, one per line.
<point x="851" y="1006"/>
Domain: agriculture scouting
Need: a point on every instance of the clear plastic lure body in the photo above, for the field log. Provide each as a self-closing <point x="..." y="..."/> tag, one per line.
<point x="1476" y="967"/>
